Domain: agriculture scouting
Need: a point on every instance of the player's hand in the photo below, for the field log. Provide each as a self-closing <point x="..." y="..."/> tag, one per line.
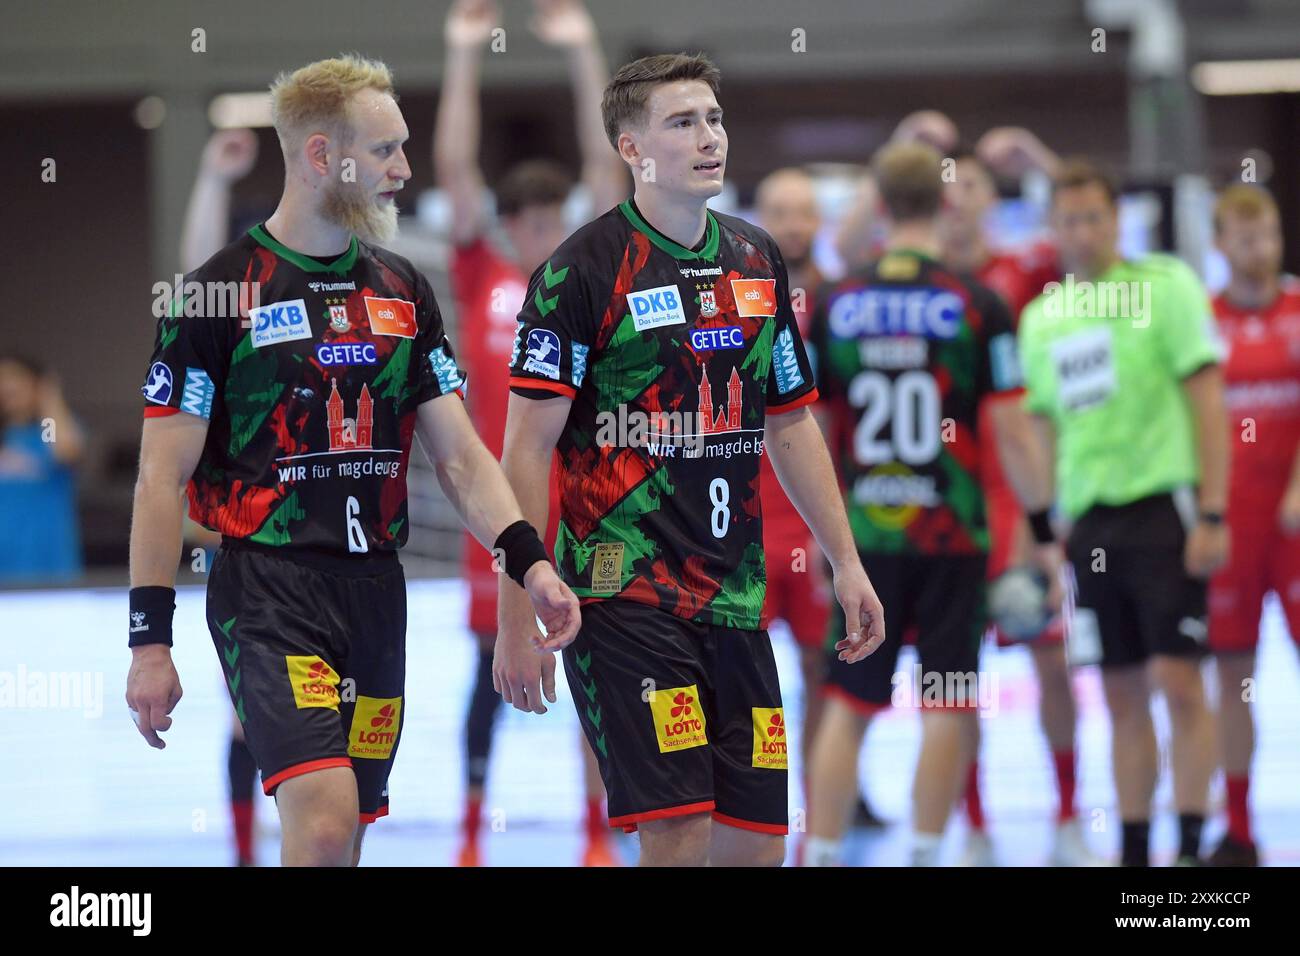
<point x="470" y="23"/>
<point x="1012" y="151"/>
<point x="1050" y="561"/>
<point x="555" y="604"/>
<point x="153" y="689"/>
<point x="521" y="675"/>
<point x="863" y="613"/>
<point x="563" y="23"/>
<point x="1206" y="549"/>
<point x="229" y="154"/>
<point x="1288" y="513"/>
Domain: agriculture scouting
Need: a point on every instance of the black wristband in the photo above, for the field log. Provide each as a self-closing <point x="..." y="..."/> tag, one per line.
<point x="151" y="616"/>
<point x="1040" y="526"/>
<point x="521" y="548"/>
<point x="1212" y="517"/>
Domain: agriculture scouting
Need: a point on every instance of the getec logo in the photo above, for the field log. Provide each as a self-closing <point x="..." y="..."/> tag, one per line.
<point x="346" y="353"/>
<point x="280" y="322"/>
<point x="709" y="340"/>
<point x="678" y="718"/>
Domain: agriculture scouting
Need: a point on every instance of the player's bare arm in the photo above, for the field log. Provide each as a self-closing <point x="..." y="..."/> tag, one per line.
<point x="169" y="450"/>
<point x="467" y="32"/>
<point x="521" y="674"/>
<point x="478" y="490"/>
<point x="568" y="25"/>
<point x="1207" y="544"/>
<point x="804" y="467"/>
<point x="1025" y="453"/>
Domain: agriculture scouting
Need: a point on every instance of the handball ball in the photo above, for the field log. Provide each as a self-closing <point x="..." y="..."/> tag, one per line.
<point x="1017" y="602"/>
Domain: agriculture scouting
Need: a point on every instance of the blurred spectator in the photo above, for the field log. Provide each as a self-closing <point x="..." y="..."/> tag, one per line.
<point x="39" y="445"/>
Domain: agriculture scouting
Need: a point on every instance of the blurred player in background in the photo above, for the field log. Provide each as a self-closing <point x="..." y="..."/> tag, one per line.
<point x="906" y="351"/>
<point x="306" y="589"/>
<point x="40" y="445"/>
<point x="489" y="287"/>
<point x="228" y="156"/>
<point x="969" y="194"/>
<point x="654" y="307"/>
<point x="1259" y="316"/>
<point x="1121" y="367"/>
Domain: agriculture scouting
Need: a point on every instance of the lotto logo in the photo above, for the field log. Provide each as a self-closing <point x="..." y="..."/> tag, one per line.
<point x="391" y="317"/>
<point x="755" y="298"/>
<point x="279" y="322"/>
<point x="314" y="683"/>
<point x="652" y="308"/>
<point x="769" y="738"/>
<point x="678" y="719"/>
<point x="375" y="725"/>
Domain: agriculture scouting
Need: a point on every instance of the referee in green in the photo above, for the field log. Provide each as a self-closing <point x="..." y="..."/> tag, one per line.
<point x="1121" y="364"/>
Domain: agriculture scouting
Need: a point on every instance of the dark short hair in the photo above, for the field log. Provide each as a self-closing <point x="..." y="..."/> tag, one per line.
<point x="626" y="95"/>
<point x="534" y="182"/>
<point x="909" y="176"/>
<point x="1077" y="172"/>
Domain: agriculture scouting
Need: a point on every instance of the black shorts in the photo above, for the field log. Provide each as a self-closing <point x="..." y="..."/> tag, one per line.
<point x="315" y="661"/>
<point x="938" y="599"/>
<point x="683" y="717"/>
<point x="1134" y="598"/>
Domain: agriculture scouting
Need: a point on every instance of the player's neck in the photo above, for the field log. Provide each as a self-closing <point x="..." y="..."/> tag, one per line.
<point x="683" y="222"/>
<point x="967" y="257"/>
<point x="1247" y="292"/>
<point x="919" y="236"/>
<point x="303" y="231"/>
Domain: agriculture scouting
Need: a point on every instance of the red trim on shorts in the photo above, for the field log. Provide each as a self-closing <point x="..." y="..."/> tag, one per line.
<point x="865" y="708"/>
<point x="557" y="387"/>
<point x="159" y="411"/>
<point x="298" y="769"/>
<point x="800" y="402"/>
<point x="372" y="817"/>
<point x="779" y="829"/>
<point x="629" y="820"/>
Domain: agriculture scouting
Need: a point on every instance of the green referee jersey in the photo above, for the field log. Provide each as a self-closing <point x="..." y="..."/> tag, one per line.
<point x="1105" y="361"/>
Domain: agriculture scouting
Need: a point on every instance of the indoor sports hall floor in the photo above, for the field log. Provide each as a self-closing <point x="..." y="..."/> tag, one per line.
<point x="80" y="787"/>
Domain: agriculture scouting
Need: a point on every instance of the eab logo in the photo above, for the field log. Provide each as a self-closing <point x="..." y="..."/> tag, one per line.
<point x="655" y="307"/>
<point x="445" y="370"/>
<point x="579" y="363"/>
<point x="375" y="725"/>
<point x="280" y="322"/>
<point x="678" y="718"/>
<point x="196" y="396"/>
<point x="314" y="683"/>
<point x="769" y="738"/>
<point x="785" y="363"/>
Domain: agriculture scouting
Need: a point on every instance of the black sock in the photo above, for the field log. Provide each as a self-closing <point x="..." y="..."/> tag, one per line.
<point x="478" y="721"/>
<point x="242" y="770"/>
<point x="1135" y="849"/>
<point x="1189" y="834"/>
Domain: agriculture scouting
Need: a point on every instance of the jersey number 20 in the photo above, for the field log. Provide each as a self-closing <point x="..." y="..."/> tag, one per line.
<point x="911" y="403"/>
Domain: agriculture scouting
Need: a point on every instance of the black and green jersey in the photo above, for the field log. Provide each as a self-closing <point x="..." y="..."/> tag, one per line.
<point x="673" y="358"/>
<point x="905" y="350"/>
<point x="309" y="375"/>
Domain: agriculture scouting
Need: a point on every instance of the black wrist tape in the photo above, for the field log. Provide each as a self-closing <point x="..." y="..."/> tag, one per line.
<point x="151" y="616"/>
<point x="1040" y="526"/>
<point x="521" y="547"/>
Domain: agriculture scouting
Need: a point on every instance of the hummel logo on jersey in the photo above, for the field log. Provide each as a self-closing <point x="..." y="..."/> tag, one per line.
<point x="196" y="395"/>
<point x="159" y="387"/>
<point x="655" y="307"/>
<point x="280" y="322"/>
<point x="543" y="353"/>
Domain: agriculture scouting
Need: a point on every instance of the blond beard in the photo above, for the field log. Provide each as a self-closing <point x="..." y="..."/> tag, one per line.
<point x="346" y="206"/>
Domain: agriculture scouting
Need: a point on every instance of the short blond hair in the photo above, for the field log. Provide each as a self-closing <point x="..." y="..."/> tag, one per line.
<point x="909" y="176"/>
<point x="1242" y="202"/>
<point x="315" y="98"/>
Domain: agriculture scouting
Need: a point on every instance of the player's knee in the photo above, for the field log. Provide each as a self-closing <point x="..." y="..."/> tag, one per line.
<point x="771" y="852"/>
<point x="676" y="841"/>
<point x="1179" y="681"/>
<point x="330" y="838"/>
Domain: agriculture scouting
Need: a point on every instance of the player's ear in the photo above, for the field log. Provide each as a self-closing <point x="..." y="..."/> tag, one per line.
<point x="629" y="151"/>
<point x="316" y="152"/>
